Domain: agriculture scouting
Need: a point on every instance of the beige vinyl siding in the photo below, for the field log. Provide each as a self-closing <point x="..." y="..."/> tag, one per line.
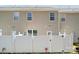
<point x="5" y="22"/>
<point x="71" y="24"/>
<point x="40" y="22"/>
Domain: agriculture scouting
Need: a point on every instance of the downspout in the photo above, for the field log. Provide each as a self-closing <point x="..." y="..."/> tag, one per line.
<point x="59" y="22"/>
<point x="59" y="30"/>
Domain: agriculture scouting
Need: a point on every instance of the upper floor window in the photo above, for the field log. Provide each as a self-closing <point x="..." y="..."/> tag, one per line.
<point x="52" y="16"/>
<point x="62" y="19"/>
<point x="16" y="15"/>
<point x="29" y="16"/>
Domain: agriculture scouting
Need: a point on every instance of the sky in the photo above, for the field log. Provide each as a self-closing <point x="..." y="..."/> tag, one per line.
<point x="66" y="3"/>
<point x="39" y="2"/>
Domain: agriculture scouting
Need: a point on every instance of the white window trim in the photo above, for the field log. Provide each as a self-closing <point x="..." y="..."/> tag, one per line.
<point x="32" y="32"/>
<point x="54" y="16"/>
<point x="37" y="32"/>
<point x="27" y="16"/>
<point x="28" y="33"/>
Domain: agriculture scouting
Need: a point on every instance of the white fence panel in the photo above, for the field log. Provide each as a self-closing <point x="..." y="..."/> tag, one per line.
<point x="5" y="42"/>
<point x="41" y="44"/>
<point x="27" y="44"/>
<point x="23" y="44"/>
<point x="68" y="43"/>
<point x="56" y="44"/>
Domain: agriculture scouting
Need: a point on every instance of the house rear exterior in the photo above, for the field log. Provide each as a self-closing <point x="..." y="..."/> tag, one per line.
<point x="42" y="28"/>
<point x="40" y="19"/>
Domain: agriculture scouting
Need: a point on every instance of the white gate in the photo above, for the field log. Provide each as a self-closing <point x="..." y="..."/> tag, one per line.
<point x="56" y="44"/>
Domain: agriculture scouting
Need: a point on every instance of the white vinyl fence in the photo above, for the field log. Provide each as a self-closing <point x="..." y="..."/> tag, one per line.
<point x="6" y="43"/>
<point x="36" y="44"/>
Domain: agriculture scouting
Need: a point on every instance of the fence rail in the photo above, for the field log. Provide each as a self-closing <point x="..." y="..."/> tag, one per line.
<point x="41" y="44"/>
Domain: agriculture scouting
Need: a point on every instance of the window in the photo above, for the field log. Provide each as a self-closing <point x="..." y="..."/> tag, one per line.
<point x="32" y="32"/>
<point x="16" y="15"/>
<point x="62" y="19"/>
<point x="29" y="16"/>
<point x="29" y="32"/>
<point x="52" y="16"/>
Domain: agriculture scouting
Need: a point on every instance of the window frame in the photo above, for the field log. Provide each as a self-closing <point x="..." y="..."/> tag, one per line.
<point x="52" y="16"/>
<point x="28" y="32"/>
<point x="36" y="32"/>
<point x="29" y="16"/>
<point x="16" y="14"/>
<point x="32" y="32"/>
<point x="63" y="19"/>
